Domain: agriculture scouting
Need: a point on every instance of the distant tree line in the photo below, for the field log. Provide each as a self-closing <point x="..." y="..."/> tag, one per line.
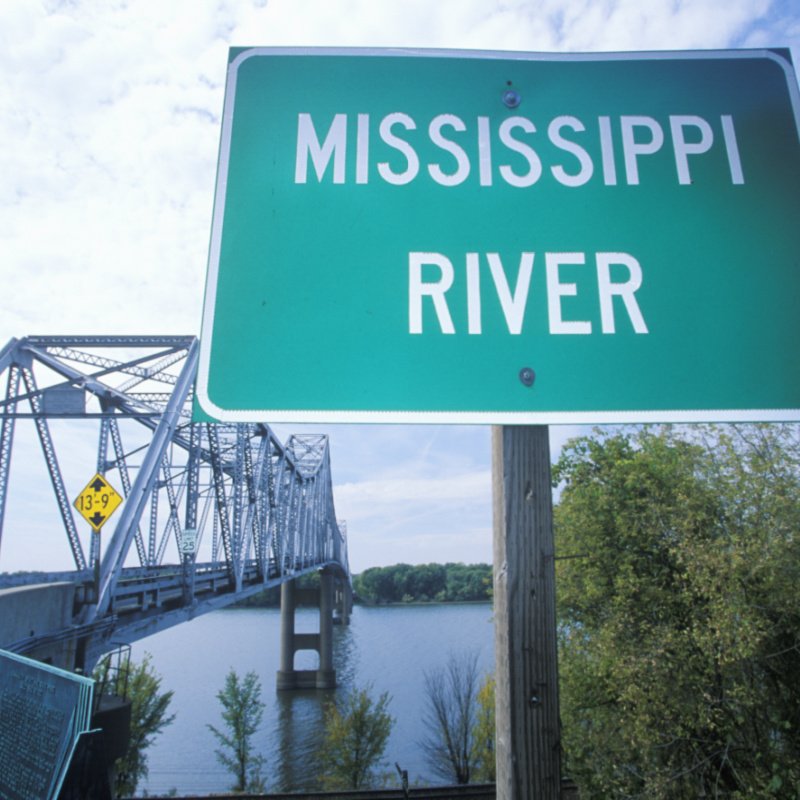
<point x="140" y="684"/>
<point x="442" y="583"/>
<point x="401" y="583"/>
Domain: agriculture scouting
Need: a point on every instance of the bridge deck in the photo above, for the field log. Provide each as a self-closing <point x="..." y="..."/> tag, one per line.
<point x="147" y="600"/>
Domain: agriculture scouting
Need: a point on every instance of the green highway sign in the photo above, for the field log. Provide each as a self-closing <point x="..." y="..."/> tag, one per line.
<point x="469" y="237"/>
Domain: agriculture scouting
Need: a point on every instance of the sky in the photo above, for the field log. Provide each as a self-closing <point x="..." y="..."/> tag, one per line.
<point x="110" y="116"/>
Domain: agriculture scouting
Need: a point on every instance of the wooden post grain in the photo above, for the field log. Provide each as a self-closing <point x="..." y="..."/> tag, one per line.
<point x="528" y="746"/>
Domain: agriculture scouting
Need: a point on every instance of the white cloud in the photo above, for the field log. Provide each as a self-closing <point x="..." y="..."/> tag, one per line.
<point x="395" y="499"/>
<point x="110" y="120"/>
<point x="467" y="545"/>
<point x="460" y="488"/>
<point x="109" y="114"/>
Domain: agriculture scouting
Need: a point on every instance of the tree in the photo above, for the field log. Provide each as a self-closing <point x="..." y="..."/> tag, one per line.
<point x="427" y="581"/>
<point x="356" y="733"/>
<point x="449" y="717"/>
<point x="424" y="582"/>
<point x="242" y="711"/>
<point x="141" y="685"/>
<point x="679" y="600"/>
<point x="483" y="734"/>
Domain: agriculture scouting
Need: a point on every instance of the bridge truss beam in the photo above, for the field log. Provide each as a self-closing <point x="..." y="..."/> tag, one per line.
<point x="187" y="486"/>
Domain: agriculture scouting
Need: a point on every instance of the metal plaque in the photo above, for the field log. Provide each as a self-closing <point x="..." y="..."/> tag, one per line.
<point x="43" y="711"/>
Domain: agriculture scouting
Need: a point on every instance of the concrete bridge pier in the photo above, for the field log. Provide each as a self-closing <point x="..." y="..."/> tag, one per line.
<point x="343" y="603"/>
<point x="325" y="676"/>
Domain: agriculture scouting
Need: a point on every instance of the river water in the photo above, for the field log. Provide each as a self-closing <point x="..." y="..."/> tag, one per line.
<point x="385" y="648"/>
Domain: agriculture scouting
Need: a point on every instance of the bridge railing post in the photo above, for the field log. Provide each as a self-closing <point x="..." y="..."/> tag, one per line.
<point x="187" y="561"/>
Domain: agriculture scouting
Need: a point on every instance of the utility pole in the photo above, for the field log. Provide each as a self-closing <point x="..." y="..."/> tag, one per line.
<point x="528" y="746"/>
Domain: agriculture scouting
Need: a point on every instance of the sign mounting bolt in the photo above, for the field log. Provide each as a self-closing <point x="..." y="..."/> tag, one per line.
<point x="511" y="98"/>
<point x="527" y="376"/>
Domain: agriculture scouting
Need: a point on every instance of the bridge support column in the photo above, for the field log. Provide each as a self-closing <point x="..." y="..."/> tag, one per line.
<point x="288" y="605"/>
<point x="343" y="603"/>
<point x="325" y="676"/>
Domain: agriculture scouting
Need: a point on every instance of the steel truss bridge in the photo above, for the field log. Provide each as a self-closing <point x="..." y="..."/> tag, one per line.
<point x="211" y="513"/>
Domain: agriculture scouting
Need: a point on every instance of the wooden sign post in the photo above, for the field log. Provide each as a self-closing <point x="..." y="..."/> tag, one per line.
<point x="528" y="747"/>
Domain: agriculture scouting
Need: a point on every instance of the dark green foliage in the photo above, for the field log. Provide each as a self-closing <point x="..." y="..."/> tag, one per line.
<point x="679" y="601"/>
<point x="404" y="583"/>
<point x="242" y="711"/>
<point x="141" y="684"/>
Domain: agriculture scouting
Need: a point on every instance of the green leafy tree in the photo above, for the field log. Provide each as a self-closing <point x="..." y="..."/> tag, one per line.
<point x="357" y="730"/>
<point x="468" y="581"/>
<point x="242" y="711"/>
<point x="483" y="734"/>
<point x="375" y="585"/>
<point x="449" y="717"/>
<point x="403" y="583"/>
<point x="142" y="686"/>
<point x="424" y="582"/>
<point x="679" y="602"/>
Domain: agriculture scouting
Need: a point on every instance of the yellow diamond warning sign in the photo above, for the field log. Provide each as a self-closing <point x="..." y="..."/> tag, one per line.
<point x="97" y="502"/>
